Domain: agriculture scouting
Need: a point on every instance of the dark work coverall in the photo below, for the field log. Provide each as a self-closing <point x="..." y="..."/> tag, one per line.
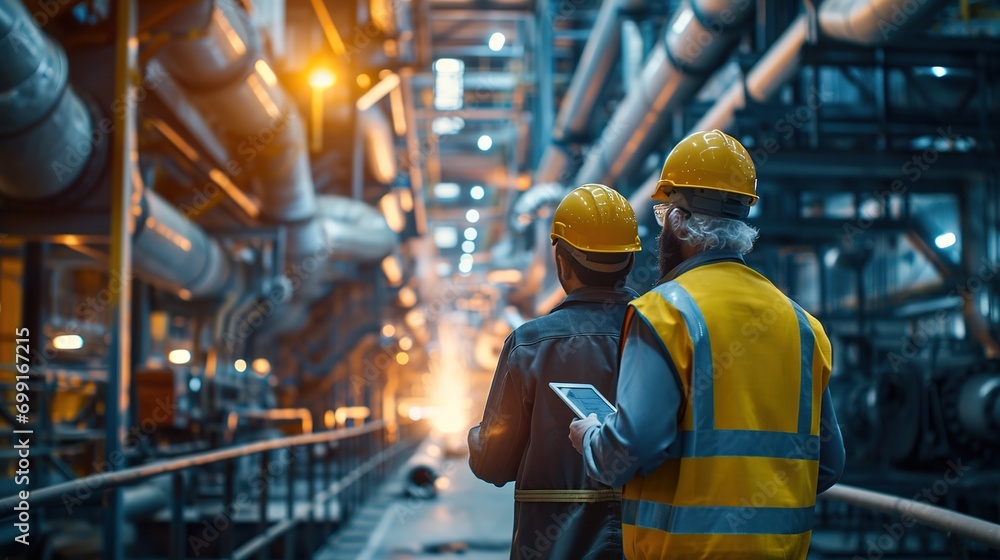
<point x="523" y="433"/>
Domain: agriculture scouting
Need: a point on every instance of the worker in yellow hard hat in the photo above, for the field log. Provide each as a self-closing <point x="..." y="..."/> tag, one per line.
<point x="723" y="410"/>
<point x="559" y="513"/>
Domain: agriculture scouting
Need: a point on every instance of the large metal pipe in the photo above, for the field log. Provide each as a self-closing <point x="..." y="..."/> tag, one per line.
<point x="591" y="74"/>
<point x="45" y="128"/>
<point x="228" y="80"/>
<point x="698" y="39"/>
<point x="42" y="120"/>
<point x="354" y="230"/>
<point x="848" y="20"/>
<point x="173" y="252"/>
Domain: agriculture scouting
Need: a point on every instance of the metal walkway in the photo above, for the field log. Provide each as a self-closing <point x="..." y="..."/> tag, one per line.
<point x="468" y="517"/>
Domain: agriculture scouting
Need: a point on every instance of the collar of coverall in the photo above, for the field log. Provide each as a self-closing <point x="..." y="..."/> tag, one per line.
<point x="701" y="259"/>
<point x="599" y="295"/>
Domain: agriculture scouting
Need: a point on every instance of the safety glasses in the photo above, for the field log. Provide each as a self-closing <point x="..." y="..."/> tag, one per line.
<point x="661" y="210"/>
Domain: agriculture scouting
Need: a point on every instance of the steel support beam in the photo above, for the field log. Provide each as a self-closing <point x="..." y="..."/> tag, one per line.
<point x="124" y="148"/>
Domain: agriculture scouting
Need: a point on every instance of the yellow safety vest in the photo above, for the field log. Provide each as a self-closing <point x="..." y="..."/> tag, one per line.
<point x="753" y="366"/>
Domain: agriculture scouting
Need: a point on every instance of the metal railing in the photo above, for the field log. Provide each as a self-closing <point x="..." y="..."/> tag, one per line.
<point x="958" y="525"/>
<point x="359" y="453"/>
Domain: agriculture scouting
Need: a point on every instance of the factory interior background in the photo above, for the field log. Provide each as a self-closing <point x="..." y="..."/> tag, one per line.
<point x="258" y="258"/>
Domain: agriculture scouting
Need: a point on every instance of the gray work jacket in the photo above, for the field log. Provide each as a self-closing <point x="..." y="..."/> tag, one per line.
<point x="523" y="435"/>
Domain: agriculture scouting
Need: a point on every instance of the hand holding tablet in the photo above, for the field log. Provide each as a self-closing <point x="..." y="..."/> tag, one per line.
<point x="583" y="399"/>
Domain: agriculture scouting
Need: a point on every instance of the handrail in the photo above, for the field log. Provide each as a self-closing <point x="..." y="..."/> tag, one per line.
<point x="939" y="518"/>
<point x="104" y="481"/>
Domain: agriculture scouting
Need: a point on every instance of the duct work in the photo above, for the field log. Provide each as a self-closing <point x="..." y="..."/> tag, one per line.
<point x="854" y="21"/>
<point x="41" y="116"/>
<point x="42" y="119"/>
<point x="221" y="74"/>
<point x="699" y="38"/>
<point x="596" y="61"/>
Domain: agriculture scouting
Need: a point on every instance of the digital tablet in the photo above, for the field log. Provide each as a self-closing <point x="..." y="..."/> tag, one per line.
<point x="583" y="399"/>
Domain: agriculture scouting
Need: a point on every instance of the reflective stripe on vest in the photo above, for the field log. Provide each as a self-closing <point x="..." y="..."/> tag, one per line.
<point x="705" y="442"/>
<point x="568" y="496"/>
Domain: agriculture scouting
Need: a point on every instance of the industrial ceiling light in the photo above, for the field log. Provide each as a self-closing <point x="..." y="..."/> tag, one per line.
<point x="68" y="342"/>
<point x="477" y="192"/>
<point x="407" y="298"/>
<point x="179" y="356"/>
<point x="446" y="191"/>
<point x="471" y="233"/>
<point x="321" y="78"/>
<point x="472" y="216"/>
<point x="945" y="240"/>
<point x="468" y="246"/>
<point x="465" y="267"/>
<point x="261" y="366"/>
<point x="496" y="41"/>
<point x="484" y="142"/>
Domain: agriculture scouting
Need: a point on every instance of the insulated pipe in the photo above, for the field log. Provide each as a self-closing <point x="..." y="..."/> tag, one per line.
<point x="860" y="21"/>
<point x="173" y="252"/>
<point x="229" y="82"/>
<point x="699" y="38"/>
<point x="591" y="74"/>
<point x="45" y="130"/>
<point x="355" y="231"/>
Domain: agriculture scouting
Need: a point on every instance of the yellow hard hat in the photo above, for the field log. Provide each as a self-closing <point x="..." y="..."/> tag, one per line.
<point x="597" y="219"/>
<point x="711" y="160"/>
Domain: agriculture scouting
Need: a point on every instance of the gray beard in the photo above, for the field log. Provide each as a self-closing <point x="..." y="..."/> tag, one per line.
<point x="669" y="255"/>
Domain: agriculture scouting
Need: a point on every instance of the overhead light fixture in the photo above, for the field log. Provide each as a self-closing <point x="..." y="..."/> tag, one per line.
<point x="496" y="41"/>
<point x="939" y="71"/>
<point x="179" y="356"/>
<point x="484" y="142"/>
<point x="390" y="207"/>
<point x="446" y="126"/>
<point x="465" y="267"/>
<point x="449" y="65"/>
<point x="393" y="272"/>
<point x="194" y="384"/>
<point x="445" y="237"/>
<point x="405" y="343"/>
<point x="407" y="297"/>
<point x="261" y="366"/>
<point x="388" y="330"/>
<point x="472" y="215"/>
<point x="406" y="199"/>
<point x="471" y="233"/>
<point x="240" y="365"/>
<point x="468" y="246"/>
<point x="446" y="191"/>
<point x="345" y="413"/>
<point x="477" y="192"/>
<point x="402" y="358"/>
<point x="449" y="84"/>
<point x="945" y="240"/>
<point x="511" y="276"/>
<point x="68" y="342"/>
<point x="321" y="78"/>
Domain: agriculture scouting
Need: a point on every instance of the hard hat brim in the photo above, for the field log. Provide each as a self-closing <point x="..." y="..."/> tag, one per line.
<point x="663" y="188"/>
